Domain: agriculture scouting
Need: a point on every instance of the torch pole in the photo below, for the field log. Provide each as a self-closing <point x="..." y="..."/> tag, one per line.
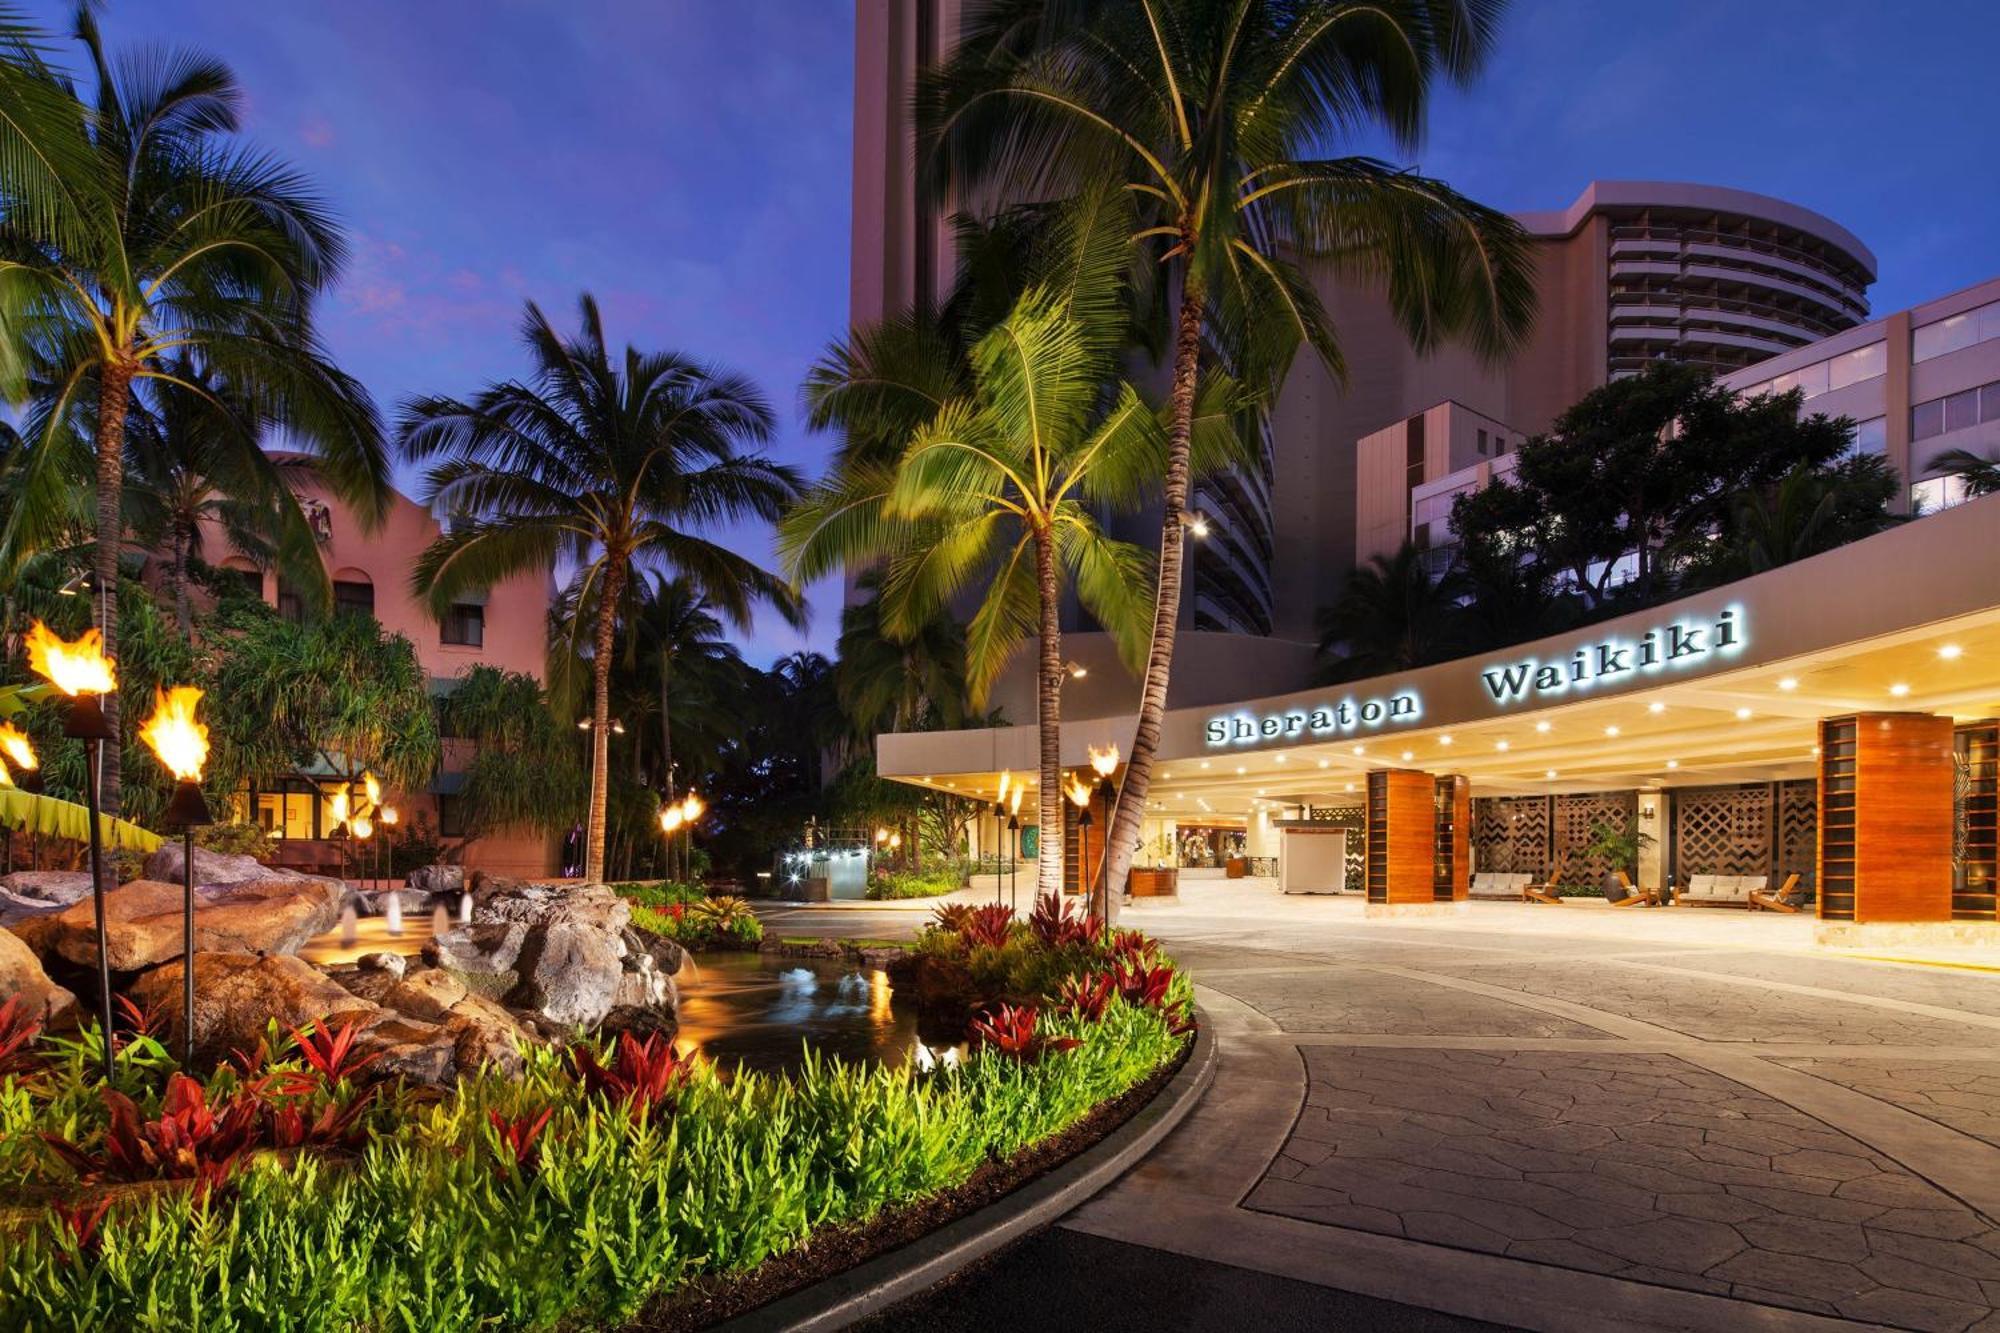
<point x="93" y="746"/>
<point x="187" y="948"/>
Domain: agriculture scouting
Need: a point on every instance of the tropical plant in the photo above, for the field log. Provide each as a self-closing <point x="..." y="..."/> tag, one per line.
<point x="1393" y="615"/>
<point x="521" y="771"/>
<point x="1808" y="511"/>
<point x="890" y="682"/>
<point x="613" y="463"/>
<point x="1979" y="474"/>
<point x="139" y="239"/>
<point x="1011" y="1031"/>
<point x="1217" y="116"/>
<point x="1003" y="485"/>
<point x="1615" y="845"/>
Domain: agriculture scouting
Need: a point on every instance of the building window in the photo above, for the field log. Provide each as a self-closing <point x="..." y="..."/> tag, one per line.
<point x="353" y="598"/>
<point x="1961" y="410"/>
<point x="465" y="625"/>
<point x="291" y="605"/>
<point x="1863" y="363"/>
<point x="1809" y="380"/>
<point x="1957" y="411"/>
<point x="1482" y="443"/>
<point x="244" y="583"/>
<point x="1949" y="335"/>
<point x="1935" y="493"/>
<point x="1870" y="436"/>
<point x="451" y="817"/>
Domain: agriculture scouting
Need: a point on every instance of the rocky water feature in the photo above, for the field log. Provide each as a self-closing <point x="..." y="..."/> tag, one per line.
<point x="760" y="1010"/>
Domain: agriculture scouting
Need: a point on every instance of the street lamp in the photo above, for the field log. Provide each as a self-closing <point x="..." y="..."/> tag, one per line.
<point x="181" y="745"/>
<point x="84" y="674"/>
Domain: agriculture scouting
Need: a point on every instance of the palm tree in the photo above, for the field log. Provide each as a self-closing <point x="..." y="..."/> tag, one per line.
<point x="1216" y="115"/>
<point x="1391" y="616"/>
<point x="1980" y="474"/>
<point x="891" y="682"/>
<point x="192" y="461"/>
<point x="613" y="464"/>
<point x="679" y="651"/>
<point x="999" y="490"/>
<point x="154" y="239"/>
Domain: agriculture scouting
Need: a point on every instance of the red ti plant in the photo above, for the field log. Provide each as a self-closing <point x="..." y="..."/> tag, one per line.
<point x="188" y="1136"/>
<point x="952" y="916"/>
<point x="1181" y="1021"/>
<point x="332" y="1055"/>
<point x="1056" y="927"/>
<point x="515" y="1138"/>
<point x="987" y="926"/>
<point x="76" y="1227"/>
<point x="1010" y="1031"/>
<point x="286" y="1125"/>
<point x="644" y="1076"/>
<point x="135" y="1022"/>
<point x="1143" y="985"/>
<point x="1087" y="996"/>
<point x="19" y="1026"/>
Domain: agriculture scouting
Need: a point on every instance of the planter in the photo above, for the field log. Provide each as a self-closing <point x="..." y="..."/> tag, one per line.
<point x="1236" y="867"/>
<point x="1146" y="882"/>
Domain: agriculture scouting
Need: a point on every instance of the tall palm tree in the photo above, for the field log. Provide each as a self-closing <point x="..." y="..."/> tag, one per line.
<point x="192" y="461"/>
<point x="1000" y="490"/>
<point x="162" y="240"/>
<point x="889" y="682"/>
<point x="678" y="648"/>
<point x="1391" y="616"/>
<point x="1217" y="115"/>
<point x="613" y="463"/>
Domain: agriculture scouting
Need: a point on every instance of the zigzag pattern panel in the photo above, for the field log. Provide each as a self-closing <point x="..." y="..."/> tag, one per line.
<point x="1575" y="815"/>
<point x="1510" y="833"/>
<point x="1723" y="830"/>
<point x="1798" y="830"/>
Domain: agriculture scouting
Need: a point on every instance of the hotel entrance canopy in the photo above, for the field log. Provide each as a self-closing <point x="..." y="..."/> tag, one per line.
<point x="1720" y="687"/>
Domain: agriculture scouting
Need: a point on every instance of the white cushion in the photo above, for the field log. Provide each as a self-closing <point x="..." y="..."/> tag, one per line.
<point x="1701" y="886"/>
<point x="1757" y="882"/>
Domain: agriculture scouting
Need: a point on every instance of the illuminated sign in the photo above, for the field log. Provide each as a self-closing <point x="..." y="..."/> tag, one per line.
<point x="1316" y="722"/>
<point x="1618" y="660"/>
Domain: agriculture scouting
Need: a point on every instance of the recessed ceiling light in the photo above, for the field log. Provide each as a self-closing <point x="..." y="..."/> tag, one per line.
<point x="1656" y="707"/>
<point x="1324" y="762"/>
<point x="1444" y="740"/>
<point x="1278" y="758"/>
<point x="1611" y="731"/>
<point x="1408" y="755"/>
<point x="1260" y="791"/>
<point x="1899" y="689"/>
<point x="1204" y="763"/>
<point x="1550" y="774"/>
<point x="1541" y="726"/>
<point x="1500" y="745"/>
<point x="1789" y="683"/>
<point x="1673" y="763"/>
<point x="1240" y="770"/>
<point x="1950" y="652"/>
<point x="1350" y="786"/>
<point x="1742" y="715"/>
<point x="1361" y="749"/>
<point x="1167" y="776"/>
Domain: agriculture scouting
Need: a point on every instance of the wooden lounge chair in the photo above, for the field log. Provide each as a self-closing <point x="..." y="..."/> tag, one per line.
<point x="1545" y="892"/>
<point x="1635" y="896"/>
<point x="1780" y="901"/>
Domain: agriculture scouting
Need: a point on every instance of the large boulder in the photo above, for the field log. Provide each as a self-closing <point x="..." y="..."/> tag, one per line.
<point x="209" y="867"/>
<point x="435" y="879"/>
<point x="667" y="955"/>
<point x="21" y="975"/>
<point x="591" y="905"/>
<point x="487" y="950"/>
<point x="569" y="973"/>
<point x="237" y="994"/>
<point x="273" y="915"/>
<point x="56" y="888"/>
<point x="478" y="1030"/>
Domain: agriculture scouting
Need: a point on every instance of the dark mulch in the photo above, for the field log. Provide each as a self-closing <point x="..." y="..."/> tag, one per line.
<point x="707" y="1301"/>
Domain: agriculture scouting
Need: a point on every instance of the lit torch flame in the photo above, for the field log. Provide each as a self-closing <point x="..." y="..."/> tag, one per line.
<point x="670" y="819"/>
<point x="1079" y="792"/>
<point x="372" y="787"/>
<point x="14" y="744"/>
<point x="337" y="807"/>
<point x="692" y="807"/>
<point x="173" y="734"/>
<point x="1014" y="801"/>
<point x="1006" y="781"/>
<point x="1104" y="761"/>
<point x="74" y="668"/>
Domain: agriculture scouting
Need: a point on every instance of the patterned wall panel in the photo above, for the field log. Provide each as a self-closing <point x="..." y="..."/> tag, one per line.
<point x="1723" y="830"/>
<point x="1575" y="814"/>
<point x="1510" y="833"/>
<point x="1351" y="817"/>
<point x="1798" y="831"/>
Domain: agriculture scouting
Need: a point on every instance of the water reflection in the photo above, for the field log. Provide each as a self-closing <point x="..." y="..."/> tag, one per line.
<point x="356" y="936"/>
<point x="758" y="1012"/>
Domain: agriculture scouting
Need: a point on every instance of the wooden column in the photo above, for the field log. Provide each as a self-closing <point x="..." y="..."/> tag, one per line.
<point x="1451" y="869"/>
<point x="1401" y="836"/>
<point x="1885" y="818"/>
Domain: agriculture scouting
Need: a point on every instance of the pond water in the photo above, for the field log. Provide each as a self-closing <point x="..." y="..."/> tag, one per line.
<point x="403" y="932"/>
<point x="758" y="1011"/>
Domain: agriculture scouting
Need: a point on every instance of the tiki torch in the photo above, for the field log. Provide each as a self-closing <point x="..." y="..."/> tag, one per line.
<point x="17" y="751"/>
<point x="181" y="745"/>
<point x="1104" y="763"/>
<point x="1078" y="792"/>
<point x="390" y="818"/>
<point x="85" y="675"/>
<point x="671" y="819"/>
<point x="1013" y="844"/>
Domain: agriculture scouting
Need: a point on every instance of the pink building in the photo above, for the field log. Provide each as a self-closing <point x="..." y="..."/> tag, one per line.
<point x="506" y="627"/>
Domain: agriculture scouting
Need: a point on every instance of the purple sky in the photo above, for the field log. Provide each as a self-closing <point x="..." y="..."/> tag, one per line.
<point x="688" y="160"/>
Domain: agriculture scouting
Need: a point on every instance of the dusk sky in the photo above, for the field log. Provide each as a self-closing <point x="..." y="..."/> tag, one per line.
<point x="688" y="161"/>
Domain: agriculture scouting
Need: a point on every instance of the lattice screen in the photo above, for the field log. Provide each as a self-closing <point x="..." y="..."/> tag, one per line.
<point x="1723" y="830"/>
<point x="1510" y="833"/>
<point x="1575" y="813"/>
<point x="1798" y="831"/>
<point x="1352" y="817"/>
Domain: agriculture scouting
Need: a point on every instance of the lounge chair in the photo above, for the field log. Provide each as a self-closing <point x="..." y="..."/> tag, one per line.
<point x="1545" y="892"/>
<point x="1635" y="896"/>
<point x="1788" y="898"/>
<point x="1720" y="890"/>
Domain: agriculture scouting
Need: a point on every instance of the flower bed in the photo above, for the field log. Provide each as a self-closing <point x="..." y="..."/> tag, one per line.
<point x="686" y="915"/>
<point x="888" y="885"/>
<point x="595" y="1185"/>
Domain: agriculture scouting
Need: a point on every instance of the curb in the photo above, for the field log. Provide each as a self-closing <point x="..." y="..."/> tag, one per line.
<point x="889" y="1279"/>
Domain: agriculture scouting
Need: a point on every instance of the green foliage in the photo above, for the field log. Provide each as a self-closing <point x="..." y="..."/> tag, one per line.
<point x="235" y="839"/>
<point x="685" y="914"/>
<point x="523" y="771"/>
<point x="890" y="884"/>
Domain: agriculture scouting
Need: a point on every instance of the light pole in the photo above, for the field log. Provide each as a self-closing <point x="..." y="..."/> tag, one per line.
<point x="181" y="745"/>
<point x="83" y="673"/>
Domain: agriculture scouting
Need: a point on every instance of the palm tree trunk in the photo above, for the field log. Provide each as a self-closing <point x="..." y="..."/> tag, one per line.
<point x="1123" y="842"/>
<point x="182" y="540"/>
<point x="1049" y="679"/>
<point x="666" y="725"/>
<point x="600" y="720"/>
<point x="114" y="400"/>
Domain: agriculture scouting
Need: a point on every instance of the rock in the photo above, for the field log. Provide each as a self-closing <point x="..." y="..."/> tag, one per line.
<point x="643" y="984"/>
<point x="484" y="1033"/>
<point x="489" y="949"/>
<point x="54" y="887"/>
<point x="418" y="1051"/>
<point x="273" y="915"/>
<point x="391" y="963"/>
<point x="591" y="905"/>
<point x="21" y="975"/>
<point x="436" y="879"/>
<point x="640" y="1021"/>
<point x="37" y="932"/>
<point x="428" y="993"/>
<point x="236" y="994"/>
<point x="667" y="955"/>
<point x="569" y="973"/>
<point x="209" y="867"/>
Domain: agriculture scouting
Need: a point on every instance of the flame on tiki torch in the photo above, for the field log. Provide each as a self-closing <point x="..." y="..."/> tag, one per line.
<point x="1078" y="792"/>
<point x="14" y="745"/>
<point x="1014" y="805"/>
<point x="372" y="788"/>
<point x="337" y="807"/>
<point x="692" y="807"/>
<point x="180" y="742"/>
<point x="1105" y="761"/>
<point x="74" y="668"/>
<point x="1006" y="781"/>
<point x="671" y="819"/>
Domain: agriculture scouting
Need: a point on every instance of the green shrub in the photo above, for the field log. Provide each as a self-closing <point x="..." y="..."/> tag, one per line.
<point x="660" y="892"/>
<point x="698" y="922"/>
<point x="893" y="884"/>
